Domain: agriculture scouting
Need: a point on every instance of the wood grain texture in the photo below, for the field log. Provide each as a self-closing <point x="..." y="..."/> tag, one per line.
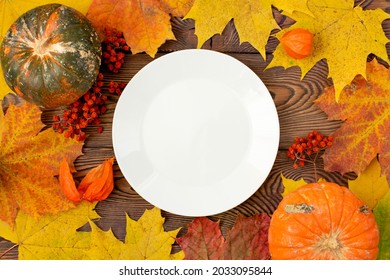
<point x="293" y="98"/>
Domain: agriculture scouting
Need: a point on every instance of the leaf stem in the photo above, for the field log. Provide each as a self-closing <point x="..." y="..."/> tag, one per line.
<point x="8" y="250"/>
<point x="360" y="3"/>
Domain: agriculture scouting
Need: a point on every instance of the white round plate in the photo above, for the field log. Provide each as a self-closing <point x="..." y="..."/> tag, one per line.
<point x="195" y="132"/>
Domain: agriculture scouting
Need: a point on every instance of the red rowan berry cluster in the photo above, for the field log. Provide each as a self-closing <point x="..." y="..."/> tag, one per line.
<point x="306" y="149"/>
<point x="87" y="109"/>
<point x="114" y="48"/>
<point x="83" y="112"/>
<point x="115" y="87"/>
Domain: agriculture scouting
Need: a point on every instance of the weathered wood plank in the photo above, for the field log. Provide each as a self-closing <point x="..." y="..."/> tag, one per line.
<point x="184" y="31"/>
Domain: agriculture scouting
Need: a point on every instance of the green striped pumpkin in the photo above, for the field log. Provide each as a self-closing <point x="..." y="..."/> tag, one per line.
<point x="51" y="55"/>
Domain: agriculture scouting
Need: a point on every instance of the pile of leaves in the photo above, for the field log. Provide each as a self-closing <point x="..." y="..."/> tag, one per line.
<point x="57" y="237"/>
<point x="34" y="210"/>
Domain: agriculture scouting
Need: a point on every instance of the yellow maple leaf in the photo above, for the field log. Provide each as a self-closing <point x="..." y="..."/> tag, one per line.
<point x="370" y="186"/>
<point x="145" y="23"/>
<point x="145" y="240"/>
<point x="253" y="19"/>
<point x="343" y="34"/>
<point x="52" y="237"/>
<point x="29" y="160"/>
<point x="291" y="185"/>
<point x="11" y="10"/>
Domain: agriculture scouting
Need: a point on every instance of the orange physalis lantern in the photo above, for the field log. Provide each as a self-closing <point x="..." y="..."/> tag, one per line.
<point x="95" y="186"/>
<point x="297" y="42"/>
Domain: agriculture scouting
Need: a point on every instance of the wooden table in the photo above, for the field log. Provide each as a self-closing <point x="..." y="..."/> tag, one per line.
<point x="297" y="115"/>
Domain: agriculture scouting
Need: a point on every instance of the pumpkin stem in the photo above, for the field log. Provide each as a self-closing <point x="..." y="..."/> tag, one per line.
<point x="41" y="47"/>
<point x="330" y="244"/>
<point x="364" y="209"/>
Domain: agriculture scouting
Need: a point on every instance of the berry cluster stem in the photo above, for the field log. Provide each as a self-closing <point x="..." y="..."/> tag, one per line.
<point x="307" y="149"/>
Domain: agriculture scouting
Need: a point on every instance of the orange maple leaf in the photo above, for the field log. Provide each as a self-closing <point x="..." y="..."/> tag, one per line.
<point x="29" y="162"/>
<point x="145" y="23"/>
<point x="364" y="106"/>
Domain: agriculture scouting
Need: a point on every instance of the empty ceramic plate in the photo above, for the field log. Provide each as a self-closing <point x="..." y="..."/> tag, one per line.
<point x="195" y="132"/>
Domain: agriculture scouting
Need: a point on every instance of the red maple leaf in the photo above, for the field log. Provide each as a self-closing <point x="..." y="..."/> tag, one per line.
<point x="247" y="240"/>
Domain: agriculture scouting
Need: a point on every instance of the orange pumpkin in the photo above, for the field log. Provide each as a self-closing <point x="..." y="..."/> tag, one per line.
<point x="323" y="221"/>
<point x="297" y="42"/>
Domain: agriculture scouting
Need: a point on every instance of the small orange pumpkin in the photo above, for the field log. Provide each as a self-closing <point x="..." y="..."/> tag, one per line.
<point x="297" y="42"/>
<point x="323" y="221"/>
